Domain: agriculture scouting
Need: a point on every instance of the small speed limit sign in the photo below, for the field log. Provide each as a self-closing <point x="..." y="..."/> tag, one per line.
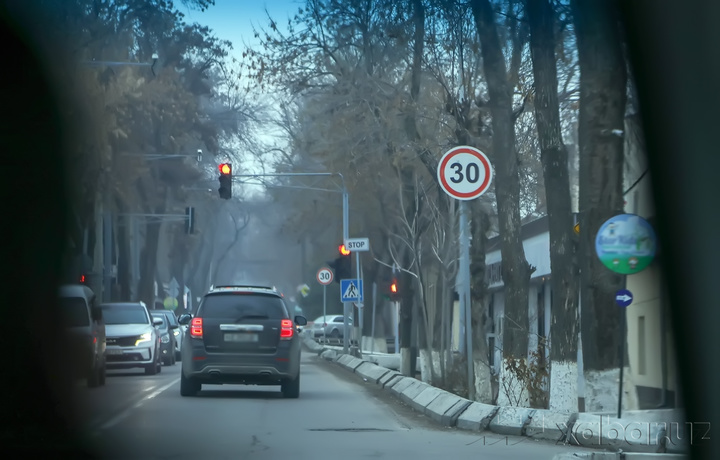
<point x="464" y="173"/>
<point x="324" y="276"/>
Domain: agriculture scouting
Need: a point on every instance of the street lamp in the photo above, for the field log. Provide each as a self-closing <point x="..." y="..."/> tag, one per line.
<point x="199" y="155"/>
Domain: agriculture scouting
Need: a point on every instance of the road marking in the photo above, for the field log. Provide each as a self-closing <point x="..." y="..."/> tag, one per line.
<point x="122" y="415"/>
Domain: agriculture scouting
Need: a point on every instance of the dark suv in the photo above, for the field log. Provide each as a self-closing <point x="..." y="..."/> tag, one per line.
<point x="241" y="335"/>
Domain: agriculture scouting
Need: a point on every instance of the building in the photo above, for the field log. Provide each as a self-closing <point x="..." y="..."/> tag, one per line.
<point x="649" y="339"/>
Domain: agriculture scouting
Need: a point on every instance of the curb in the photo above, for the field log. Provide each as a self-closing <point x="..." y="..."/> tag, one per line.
<point x="580" y="429"/>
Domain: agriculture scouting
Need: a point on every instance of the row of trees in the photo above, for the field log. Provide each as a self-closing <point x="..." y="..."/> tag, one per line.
<point x="379" y="89"/>
<point x="145" y="89"/>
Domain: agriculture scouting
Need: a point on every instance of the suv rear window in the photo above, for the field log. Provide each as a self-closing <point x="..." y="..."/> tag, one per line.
<point x="239" y="306"/>
<point x="74" y="312"/>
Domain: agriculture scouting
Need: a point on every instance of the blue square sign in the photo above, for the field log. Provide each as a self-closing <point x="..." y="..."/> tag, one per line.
<point x="351" y="290"/>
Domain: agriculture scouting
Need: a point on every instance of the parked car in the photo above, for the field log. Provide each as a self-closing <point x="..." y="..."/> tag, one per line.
<point x="132" y="337"/>
<point x="241" y="335"/>
<point x="167" y="338"/>
<point x="330" y="326"/>
<point x="177" y="331"/>
<point x="83" y="322"/>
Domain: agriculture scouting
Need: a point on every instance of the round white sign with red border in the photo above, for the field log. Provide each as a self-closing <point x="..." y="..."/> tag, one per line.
<point x="464" y="173"/>
<point x="325" y="276"/>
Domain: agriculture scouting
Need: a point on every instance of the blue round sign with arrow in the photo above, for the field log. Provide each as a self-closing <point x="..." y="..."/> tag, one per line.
<point x="623" y="297"/>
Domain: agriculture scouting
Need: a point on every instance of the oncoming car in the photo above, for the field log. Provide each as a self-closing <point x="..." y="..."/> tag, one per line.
<point x="132" y="337"/>
<point x="241" y="335"/>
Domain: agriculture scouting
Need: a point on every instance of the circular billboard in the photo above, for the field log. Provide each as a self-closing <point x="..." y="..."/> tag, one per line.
<point x="626" y="244"/>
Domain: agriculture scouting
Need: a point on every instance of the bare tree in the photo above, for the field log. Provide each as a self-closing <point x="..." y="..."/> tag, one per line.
<point x="603" y="85"/>
<point x="554" y="157"/>
<point x="516" y="271"/>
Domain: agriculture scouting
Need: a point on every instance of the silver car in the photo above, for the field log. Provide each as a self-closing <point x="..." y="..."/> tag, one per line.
<point x="330" y="326"/>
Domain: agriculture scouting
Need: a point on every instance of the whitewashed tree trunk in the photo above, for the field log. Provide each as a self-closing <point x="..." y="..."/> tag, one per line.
<point x="563" y="386"/>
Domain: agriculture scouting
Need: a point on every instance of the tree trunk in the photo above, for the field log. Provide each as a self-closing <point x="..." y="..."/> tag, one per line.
<point x="407" y="299"/>
<point x="479" y="225"/>
<point x="554" y="158"/>
<point x="515" y="269"/>
<point x="603" y="88"/>
<point x="125" y="257"/>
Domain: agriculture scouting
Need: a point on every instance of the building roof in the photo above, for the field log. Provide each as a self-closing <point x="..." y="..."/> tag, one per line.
<point x="528" y="230"/>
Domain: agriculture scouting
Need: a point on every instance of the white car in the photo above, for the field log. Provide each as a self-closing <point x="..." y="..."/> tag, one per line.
<point x="132" y="337"/>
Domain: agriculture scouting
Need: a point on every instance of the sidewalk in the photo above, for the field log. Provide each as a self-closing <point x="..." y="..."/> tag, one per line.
<point x="647" y="434"/>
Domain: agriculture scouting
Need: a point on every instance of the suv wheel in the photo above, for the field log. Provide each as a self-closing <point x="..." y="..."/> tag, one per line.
<point x="94" y="379"/>
<point x="188" y="387"/>
<point x="151" y="369"/>
<point x="101" y="377"/>
<point x="291" y="388"/>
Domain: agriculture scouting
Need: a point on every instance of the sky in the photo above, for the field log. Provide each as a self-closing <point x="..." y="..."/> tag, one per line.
<point x="233" y="20"/>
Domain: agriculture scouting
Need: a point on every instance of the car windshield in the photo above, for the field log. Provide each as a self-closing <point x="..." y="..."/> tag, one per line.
<point x="74" y="312"/>
<point x="243" y="306"/>
<point x="171" y="318"/>
<point x="124" y="314"/>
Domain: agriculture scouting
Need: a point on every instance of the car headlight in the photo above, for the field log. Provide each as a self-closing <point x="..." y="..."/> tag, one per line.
<point x="146" y="337"/>
<point x="176" y="333"/>
<point x="165" y="338"/>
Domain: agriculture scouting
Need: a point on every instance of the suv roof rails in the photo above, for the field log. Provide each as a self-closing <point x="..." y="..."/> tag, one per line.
<point x="243" y="286"/>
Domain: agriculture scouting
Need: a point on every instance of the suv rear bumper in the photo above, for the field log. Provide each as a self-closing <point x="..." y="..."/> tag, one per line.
<point x="246" y="368"/>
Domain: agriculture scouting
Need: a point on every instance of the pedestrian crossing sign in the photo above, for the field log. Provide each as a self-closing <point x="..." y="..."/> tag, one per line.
<point x="351" y="290"/>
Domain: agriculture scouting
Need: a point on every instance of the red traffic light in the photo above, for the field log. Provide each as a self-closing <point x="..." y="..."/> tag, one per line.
<point x="82" y="278"/>
<point x="343" y="250"/>
<point x="225" y="168"/>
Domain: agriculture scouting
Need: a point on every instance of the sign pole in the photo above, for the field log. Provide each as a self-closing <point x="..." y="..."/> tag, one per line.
<point x="325" y="277"/>
<point x="345" y="327"/>
<point x="623" y="319"/>
<point x="626" y="245"/>
<point x="465" y="296"/>
<point x="360" y="305"/>
<point x="465" y="173"/>
<point x="324" y="313"/>
<point x="372" y="328"/>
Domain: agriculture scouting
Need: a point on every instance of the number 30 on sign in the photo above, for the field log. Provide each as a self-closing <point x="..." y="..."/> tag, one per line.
<point x="464" y="173"/>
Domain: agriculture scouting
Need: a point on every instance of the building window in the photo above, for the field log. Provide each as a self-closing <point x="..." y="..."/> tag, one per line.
<point x="491" y="351"/>
<point x="642" y="365"/>
<point x="491" y="313"/>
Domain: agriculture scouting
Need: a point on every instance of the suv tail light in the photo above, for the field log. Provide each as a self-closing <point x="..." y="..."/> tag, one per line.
<point x="286" y="329"/>
<point x="196" y="328"/>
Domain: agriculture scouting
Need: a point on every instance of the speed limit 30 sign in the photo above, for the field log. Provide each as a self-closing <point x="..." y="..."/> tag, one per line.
<point x="464" y="173"/>
<point x="325" y="276"/>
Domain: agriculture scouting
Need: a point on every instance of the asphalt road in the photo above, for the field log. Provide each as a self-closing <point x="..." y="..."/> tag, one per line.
<point x="338" y="416"/>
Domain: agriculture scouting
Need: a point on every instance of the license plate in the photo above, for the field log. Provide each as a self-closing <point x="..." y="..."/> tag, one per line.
<point x="113" y="351"/>
<point x="238" y="337"/>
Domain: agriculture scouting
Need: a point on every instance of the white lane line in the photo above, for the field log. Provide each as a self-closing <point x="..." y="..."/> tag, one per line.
<point x="99" y="420"/>
<point x="122" y="415"/>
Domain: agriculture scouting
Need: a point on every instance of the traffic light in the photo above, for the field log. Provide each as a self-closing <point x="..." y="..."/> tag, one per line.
<point x="225" y="181"/>
<point x="394" y="290"/>
<point x="341" y="266"/>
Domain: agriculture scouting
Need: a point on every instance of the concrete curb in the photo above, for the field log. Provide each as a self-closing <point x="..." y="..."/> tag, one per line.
<point x="617" y="456"/>
<point x="581" y="429"/>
